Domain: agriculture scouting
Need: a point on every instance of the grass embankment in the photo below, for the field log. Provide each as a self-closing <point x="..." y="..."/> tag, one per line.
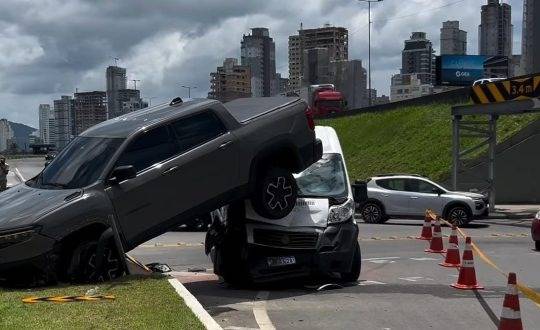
<point x="141" y="303"/>
<point x="409" y="140"/>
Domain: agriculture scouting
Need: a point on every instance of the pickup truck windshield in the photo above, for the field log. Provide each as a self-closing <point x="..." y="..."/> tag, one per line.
<point x="325" y="178"/>
<point x="79" y="165"/>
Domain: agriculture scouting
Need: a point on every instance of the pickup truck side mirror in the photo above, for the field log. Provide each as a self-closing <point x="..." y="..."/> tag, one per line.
<point x="122" y="173"/>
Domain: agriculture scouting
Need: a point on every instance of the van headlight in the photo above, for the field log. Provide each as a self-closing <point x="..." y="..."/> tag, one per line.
<point x="341" y="213"/>
<point x="7" y="239"/>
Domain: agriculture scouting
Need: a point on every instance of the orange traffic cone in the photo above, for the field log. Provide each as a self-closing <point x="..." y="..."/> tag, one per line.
<point x="436" y="244"/>
<point x="467" y="274"/>
<point x="452" y="255"/>
<point x="511" y="316"/>
<point x="426" y="229"/>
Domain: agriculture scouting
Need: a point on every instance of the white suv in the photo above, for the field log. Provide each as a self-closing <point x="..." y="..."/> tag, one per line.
<point x="397" y="195"/>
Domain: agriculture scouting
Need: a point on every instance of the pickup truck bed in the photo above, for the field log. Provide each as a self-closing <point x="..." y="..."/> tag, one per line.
<point x="246" y="109"/>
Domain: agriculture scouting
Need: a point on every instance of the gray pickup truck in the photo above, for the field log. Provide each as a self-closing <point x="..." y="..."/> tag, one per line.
<point x="132" y="178"/>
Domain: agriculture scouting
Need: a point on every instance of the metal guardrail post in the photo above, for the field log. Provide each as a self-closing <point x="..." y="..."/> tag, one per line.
<point x="492" y="146"/>
<point x="455" y="150"/>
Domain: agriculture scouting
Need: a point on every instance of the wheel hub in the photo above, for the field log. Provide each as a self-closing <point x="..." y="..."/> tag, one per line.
<point x="278" y="194"/>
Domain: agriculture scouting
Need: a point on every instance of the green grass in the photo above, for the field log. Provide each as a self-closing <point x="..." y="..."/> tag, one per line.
<point x="141" y="303"/>
<point x="409" y="140"/>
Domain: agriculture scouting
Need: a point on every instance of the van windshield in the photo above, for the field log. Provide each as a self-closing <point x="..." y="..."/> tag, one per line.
<point x="325" y="178"/>
<point x="78" y="165"/>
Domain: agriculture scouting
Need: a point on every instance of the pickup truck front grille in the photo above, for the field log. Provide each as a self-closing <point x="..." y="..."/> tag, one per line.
<point x="283" y="239"/>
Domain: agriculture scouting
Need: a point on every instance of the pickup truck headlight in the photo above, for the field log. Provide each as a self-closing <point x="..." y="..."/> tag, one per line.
<point x="15" y="237"/>
<point x="341" y="213"/>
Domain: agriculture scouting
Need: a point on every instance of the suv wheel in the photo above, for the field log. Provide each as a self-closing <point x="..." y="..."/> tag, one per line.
<point x="372" y="213"/>
<point x="275" y="193"/>
<point x="458" y="215"/>
<point x="82" y="267"/>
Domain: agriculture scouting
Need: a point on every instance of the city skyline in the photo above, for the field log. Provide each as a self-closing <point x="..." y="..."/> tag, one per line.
<point x="164" y="57"/>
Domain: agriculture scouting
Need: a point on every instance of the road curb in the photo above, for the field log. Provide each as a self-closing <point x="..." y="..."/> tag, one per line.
<point x="206" y="319"/>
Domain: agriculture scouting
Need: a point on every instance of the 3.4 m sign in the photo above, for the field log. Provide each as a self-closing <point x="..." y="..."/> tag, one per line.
<point x="507" y="90"/>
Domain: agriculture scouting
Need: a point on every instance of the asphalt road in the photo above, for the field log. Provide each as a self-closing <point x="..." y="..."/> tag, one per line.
<point x="400" y="287"/>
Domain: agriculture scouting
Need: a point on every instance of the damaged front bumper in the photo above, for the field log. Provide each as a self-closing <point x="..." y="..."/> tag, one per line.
<point x="315" y="251"/>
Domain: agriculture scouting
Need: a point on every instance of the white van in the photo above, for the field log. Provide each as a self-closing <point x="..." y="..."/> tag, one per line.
<point x="319" y="237"/>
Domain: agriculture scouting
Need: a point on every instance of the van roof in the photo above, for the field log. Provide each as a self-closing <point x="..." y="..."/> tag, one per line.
<point x="329" y="139"/>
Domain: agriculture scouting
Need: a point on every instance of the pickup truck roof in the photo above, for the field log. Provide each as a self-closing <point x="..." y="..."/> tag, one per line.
<point x="242" y="110"/>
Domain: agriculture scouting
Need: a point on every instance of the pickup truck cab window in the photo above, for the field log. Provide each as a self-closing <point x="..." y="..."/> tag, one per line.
<point x="193" y="131"/>
<point x="150" y="148"/>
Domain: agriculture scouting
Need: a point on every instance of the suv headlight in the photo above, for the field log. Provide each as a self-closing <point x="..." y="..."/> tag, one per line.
<point x="15" y="237"/>
<point x="341" y="213"/>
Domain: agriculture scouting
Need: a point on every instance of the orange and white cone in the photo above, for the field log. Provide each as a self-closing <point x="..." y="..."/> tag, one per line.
<point x="426" y="229"/>
<point x="511" y="316"/>
<point x="452" y="255"/>
<point x="436" y="244"/>
<point x="467" y="274"/>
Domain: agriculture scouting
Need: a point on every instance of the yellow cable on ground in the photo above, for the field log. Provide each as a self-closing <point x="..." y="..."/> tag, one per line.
<point x="527" y="292"/>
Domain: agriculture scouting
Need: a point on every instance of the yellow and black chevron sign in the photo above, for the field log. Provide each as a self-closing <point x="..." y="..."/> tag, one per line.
<point x="66" y="299"/>
<point x="507" y="90"/>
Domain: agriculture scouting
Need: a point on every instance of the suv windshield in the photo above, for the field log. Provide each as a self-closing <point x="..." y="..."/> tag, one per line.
<point x="325" y="178"/>
<point x="79" y="165"/>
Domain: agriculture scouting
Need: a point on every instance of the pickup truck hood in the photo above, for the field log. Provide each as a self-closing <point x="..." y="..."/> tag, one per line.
<point x="22" y="206"/>
<point x="308" y="212"/>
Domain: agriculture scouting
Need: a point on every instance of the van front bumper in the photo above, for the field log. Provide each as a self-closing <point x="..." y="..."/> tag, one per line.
<point x="332" y="252"/>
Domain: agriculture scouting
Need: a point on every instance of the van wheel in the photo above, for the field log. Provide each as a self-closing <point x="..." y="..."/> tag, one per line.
<point x="353" y="275"/>
<point x="459" y="215"/>
<point x="82" y="267"/>
<point x="275" y="193"/>
<point x="372" y="212"/>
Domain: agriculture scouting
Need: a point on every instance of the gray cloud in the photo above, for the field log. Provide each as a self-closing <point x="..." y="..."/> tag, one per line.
<point x="51" y="47"/>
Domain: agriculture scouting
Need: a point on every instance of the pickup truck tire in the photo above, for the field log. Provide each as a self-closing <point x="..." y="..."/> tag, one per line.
<point x="354" y="274"/>
<point x="537" y="245"/>
<point x="82" y="269"/>
<point x="275" y="193"/>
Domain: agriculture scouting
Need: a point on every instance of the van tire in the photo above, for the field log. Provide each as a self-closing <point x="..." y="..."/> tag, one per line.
<point x="354" y="273"/>
<point x="275" y="193"/>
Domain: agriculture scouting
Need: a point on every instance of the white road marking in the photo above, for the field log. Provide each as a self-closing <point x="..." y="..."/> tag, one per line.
<point x="382" y="261"/>
<point x="381" y="258"/>
<point x="364" y="283"/>
<point x="240" y="328"/>
<point x="195" y="306"/>
<point x="424" y="259"/>
<point x="260" y="313"/>
<point x="19" y="175"/>
<point x="415" y="278"/>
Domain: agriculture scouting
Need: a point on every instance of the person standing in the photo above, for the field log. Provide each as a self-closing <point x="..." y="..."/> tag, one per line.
<point x="4" y="170"/>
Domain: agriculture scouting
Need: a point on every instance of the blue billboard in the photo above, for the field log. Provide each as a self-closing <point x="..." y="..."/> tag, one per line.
<point x="460" y="70"/>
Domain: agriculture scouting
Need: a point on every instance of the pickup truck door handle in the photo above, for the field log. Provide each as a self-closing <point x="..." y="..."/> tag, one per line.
<point x="414" y="197"/>
<point x="170" y="170"/>
<point x="225" y="144"/>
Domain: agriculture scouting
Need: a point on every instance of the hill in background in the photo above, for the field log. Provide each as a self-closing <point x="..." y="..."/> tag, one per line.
<point x="21" y="132"/>
<point x="416" y="139"/>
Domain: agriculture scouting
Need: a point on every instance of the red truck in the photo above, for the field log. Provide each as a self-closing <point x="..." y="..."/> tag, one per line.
<point x="325" y="99"/>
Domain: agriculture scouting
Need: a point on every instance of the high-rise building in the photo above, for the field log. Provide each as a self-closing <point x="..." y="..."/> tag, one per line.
<point x="283" y="83"/>
<point x="453" y="40"/>
<point x="90" y="108"/>
<point x="259" y="53"/>
<point x="418" y="57"/>
<point x="315" y="67"/>
<point x="45" y="116"/>
<point x="230" y="81"/>
<point x="62" y="115"/>
<point x="116" y="80"/>
<point x="6" y="134"/>
<point x="495" y="29"/>
<point x="408" y="86"/>
<point x="130" y="100"/>
<point x="334" y="39"/>
<point x="350" y="78"/>
<point x="530" y="44"/>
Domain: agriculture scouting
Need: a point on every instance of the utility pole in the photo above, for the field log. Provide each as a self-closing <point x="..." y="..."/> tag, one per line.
<point x="369" y="46"/>
<point x="135" y="83"/>
<point x="189" y="89"/>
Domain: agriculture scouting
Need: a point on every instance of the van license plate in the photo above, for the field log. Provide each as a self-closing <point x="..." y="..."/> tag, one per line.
<point x="280" y="261"/>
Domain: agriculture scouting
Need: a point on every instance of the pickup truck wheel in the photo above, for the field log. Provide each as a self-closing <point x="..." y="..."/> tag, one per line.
<point x="372" y="212"/>
<point x="354" y="274"/>
<point x="82" y="268"/>
<point x="458" y="215"/>
<point x="275" y="193"/>
<point x="537" y="245"/>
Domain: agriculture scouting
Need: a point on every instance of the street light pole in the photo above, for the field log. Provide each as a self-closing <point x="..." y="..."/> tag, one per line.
<point x="189" y="89"/>
<point x="369" y="46"/>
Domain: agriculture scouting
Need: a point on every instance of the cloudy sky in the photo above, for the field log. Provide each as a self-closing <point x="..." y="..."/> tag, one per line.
<point x="51" y="47"/>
